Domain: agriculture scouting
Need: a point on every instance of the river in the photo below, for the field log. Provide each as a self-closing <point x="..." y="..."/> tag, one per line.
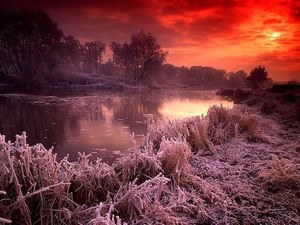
<point x="95" y="121"/>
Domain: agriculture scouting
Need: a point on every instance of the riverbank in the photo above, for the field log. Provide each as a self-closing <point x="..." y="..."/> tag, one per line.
<point x="233" y="166"/>
<point x="91" y="81"/>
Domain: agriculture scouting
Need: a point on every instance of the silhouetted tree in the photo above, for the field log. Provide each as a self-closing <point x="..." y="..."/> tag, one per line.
<point x="67" y="55"/>
<point x="169" y="72"/>
<point x="107" y="68"/>
<point x="141" y="57"/>
<point x="72" y="51"/>
<point x="237" y="79"/>
<point x="27" y="39"/>
<point x="292" y="81"/>
<point x="268" y="83"/>
<point x="92" y="53"/>
<point x="257" y="75"/>
<point x="183" y="74"/>
<point x="204" y="76"/>
<point x="4" y="70"/>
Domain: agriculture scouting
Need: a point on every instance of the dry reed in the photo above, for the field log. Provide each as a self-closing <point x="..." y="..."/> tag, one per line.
<point x="174" y="157"/>
<point x="137" y="165"/>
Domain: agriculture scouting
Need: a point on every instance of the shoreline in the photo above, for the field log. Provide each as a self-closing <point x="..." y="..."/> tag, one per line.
<point x="233" y="166"/>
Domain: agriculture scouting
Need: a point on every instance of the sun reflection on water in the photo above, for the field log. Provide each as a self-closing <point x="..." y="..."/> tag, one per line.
<point x="182" y="108"/>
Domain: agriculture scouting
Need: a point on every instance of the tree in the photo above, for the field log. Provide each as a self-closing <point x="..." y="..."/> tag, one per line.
<point x="67" y="55"/>
<point x="141" y="57"/>
<point x="170" y="71"/>
<point x="292" y="81"/>
<point x="257" y="75"/>
<point x="72" y="51"/>
<point x="107" y="68"/>
<point x="205" y="76"/>
<point x="3" y="64"/>
<point x="27" y="38"/>
<point x="92" y="53"/>
<point x="237" y="79"/>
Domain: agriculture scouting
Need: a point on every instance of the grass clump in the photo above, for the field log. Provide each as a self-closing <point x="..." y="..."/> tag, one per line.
<point x="280" y="174"/>
<point x="218" y="127"/>
<point x="221" y="126"/>
<point x="91" y="183"/>
<point x="137" y="165"/>
<point x="37" y="189"/>
<point x="133" y="200"/>
<point x="174" y="157"/>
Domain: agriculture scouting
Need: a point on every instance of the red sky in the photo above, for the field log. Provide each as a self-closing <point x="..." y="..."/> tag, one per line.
<point x="225" y="34"/>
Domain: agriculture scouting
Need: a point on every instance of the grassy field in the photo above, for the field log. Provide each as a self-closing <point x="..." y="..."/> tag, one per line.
<point x="232" y="166"/>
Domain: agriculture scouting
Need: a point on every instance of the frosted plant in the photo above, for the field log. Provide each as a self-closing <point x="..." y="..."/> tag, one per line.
<point x="132" y="138"/>
<point x="21" y="140"/>
<point x="134" y="200"/>
<point x="149" y="119"/>
<point x="174" y="157"/>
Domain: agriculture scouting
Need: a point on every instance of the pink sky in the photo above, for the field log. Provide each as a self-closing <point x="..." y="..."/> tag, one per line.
<point x="225" y="34"/>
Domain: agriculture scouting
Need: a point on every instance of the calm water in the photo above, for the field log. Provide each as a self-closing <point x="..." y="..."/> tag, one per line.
<point x="97" y="122"/>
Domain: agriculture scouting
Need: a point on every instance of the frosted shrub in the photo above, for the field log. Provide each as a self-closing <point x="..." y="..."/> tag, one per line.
<point x="252" y="126"/>
<point x="137" y="164"/>
<point x="197" y="136"/>
<point x="268" y="106"/>
<point x="193" y="130"/>
<point x="91" y="182"/>
<point x="220" y="124"/>
<point x="133" y="200"/>
<point x="174" y="157"/>
<point x="32" y="180"/>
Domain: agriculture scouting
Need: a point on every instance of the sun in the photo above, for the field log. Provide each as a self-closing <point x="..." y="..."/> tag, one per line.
<point x="272" y="36"/>
<point x="275" y="34"/>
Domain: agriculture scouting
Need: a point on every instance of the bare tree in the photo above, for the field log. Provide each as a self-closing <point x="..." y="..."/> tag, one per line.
<point x="27" y="38"/>
<point x="92" y="53"/>
<point x="107" y="68"/>
<point x="142" y="57"/>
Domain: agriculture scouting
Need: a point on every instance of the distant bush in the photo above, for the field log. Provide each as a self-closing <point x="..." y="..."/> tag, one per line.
<point x="268" y="107"/>
<point x="225" y="92"/>
<point x="297" y="112"/>
<point x="240" y="95"/>
<point x="254" y="100"/>
<point x="289" y="97"/>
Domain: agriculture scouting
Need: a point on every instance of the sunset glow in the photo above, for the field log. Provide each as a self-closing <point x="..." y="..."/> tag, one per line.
<point x="231" y="35"/>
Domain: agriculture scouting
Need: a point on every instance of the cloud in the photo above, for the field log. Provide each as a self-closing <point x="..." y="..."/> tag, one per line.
<point x="223" y="33"/>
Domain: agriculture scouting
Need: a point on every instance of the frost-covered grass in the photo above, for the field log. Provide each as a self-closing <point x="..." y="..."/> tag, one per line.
<point x="233" y="166"/>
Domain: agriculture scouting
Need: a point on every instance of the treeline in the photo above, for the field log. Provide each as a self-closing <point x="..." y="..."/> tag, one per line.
<point x="35" y="52"/>
<point x="204" y="76"/>
<point x="33" y="49"/>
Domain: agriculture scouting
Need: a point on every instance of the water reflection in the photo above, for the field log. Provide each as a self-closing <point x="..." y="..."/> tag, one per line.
<point x="181" y="108"/>
<point x="95" y="122"/>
